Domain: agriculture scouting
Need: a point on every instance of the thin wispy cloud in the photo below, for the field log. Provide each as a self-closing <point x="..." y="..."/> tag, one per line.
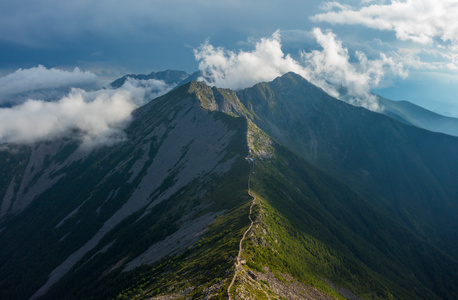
<point x="147" y="89"/>
<point x="420" y="21"/>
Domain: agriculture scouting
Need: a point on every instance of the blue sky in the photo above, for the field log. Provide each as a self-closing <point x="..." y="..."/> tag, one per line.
<point x="403" y="50"/>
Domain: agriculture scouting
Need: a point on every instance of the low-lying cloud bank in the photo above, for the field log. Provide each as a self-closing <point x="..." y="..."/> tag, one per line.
<point x="93" y="116"/>
<point x="45" y="84"/>
<point x="330" y="68"/>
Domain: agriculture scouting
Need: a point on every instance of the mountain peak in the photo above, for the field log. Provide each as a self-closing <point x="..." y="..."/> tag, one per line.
<point x="219" y="99"/>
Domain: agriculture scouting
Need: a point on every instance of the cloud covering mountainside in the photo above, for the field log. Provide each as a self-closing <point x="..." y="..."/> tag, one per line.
<point x="43" y="104"/>
<point x="329" y="68"/>
<point x="350" y="49"/>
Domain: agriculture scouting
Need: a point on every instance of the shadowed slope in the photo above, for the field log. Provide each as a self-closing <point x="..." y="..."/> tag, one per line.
<point x="407" y="172"/>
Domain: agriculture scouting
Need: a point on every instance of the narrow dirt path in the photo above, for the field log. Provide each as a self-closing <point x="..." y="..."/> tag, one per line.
<point x="254" y="282"/>
<point x="237" y="262"/>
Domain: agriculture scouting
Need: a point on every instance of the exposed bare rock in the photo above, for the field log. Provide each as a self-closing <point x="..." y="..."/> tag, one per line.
<point x="289" y="287"/>
<point x="39" y="175"/>
<point x="193" y="147"/>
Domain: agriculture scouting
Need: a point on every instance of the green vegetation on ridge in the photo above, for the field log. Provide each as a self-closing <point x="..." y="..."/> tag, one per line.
<point x="344" y="197"/>
<point x="317" y="228"/>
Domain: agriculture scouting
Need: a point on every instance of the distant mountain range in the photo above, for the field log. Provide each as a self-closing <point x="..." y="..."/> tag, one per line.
<point x="410" y="113"/>
<point x="348" y="203"/>
<point x="171" y="77"/>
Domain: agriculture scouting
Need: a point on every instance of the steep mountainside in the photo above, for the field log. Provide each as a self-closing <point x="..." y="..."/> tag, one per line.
<point x="406" y="172"/>
<point x="67" y="213"/>
<point x="315" y="228"/>
<point x="346" y="204"/>
<point x="389" y="233"/>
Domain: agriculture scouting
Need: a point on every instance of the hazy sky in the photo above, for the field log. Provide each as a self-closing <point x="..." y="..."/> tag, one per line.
<point x="399" y="49"/>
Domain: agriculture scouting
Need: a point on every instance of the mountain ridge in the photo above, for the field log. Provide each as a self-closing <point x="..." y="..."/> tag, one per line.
<point x="418" y="116"/>
<point x="329" y="142"/>
<point x="403" y="111"/>
<point x="162" y="212"/>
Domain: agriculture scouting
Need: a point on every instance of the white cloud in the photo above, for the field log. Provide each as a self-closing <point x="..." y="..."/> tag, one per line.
<point x="421" y="21"/>
<point x="228" y="69"/>
<point x="148" y="89"/>
<point x="334" y="4"/>
<point x="329" y="68"/>
<point x="94" y="117"/>
<point x="47" y="84"/>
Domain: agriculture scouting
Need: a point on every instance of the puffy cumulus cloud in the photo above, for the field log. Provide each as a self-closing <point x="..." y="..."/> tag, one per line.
<point x="229" y="69"/>
<point x="47" y="84"/>
<point x="421" y="21"/>
<point x="426" y="30"/>
<point x="96" y="117"/>
<point x="329" y="68"/>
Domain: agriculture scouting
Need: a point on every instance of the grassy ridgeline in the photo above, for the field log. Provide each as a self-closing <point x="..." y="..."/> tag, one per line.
<point x="316" y="229"/>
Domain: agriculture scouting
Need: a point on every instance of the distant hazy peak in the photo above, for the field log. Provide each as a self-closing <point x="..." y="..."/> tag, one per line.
<point x="168" y="76"/>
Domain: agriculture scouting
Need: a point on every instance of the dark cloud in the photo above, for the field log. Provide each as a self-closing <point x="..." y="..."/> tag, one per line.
<point x="113" y="37"/>
<point x="132" y="34"/>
